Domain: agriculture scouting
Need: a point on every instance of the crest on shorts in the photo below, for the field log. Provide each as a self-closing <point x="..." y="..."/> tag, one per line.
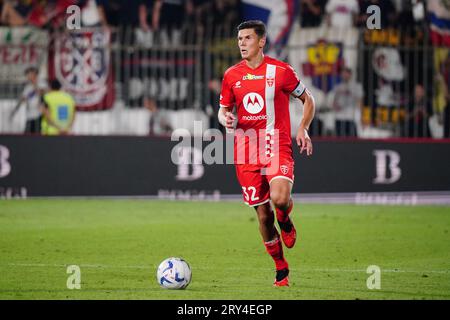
<point x="270" y="81"/>
<point x="284" y="169"/>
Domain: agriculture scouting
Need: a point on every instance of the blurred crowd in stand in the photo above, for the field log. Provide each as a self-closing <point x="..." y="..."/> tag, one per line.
<point x="149" y="23"/>
<point x="147" y="16"/>
<point x="152" y="15"/>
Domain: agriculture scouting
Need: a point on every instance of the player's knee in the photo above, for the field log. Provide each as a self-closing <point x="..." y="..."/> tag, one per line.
<point x="280" y="200"/>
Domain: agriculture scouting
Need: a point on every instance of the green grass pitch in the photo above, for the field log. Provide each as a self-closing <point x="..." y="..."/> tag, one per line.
<point x="118" y="245"/>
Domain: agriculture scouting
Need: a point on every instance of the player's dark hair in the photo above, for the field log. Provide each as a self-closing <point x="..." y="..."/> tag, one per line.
<point x="257" y="25"/>
<point x="55" y="84"/>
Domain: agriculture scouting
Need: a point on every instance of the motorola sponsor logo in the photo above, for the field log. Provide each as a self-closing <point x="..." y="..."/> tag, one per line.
<point x="254" y="118"/>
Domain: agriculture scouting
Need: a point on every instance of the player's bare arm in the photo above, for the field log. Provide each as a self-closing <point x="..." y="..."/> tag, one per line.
<point x="226" y="117"/>
<point x="309" y="107"/>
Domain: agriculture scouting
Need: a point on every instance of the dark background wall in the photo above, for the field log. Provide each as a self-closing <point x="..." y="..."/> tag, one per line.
<point x="116" y="166"/>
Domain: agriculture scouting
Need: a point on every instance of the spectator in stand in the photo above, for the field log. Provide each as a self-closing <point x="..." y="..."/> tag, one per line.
<point x="418" y="114"/>
<point x="217" y="19"/>
<point x="16" y="13"/>
<point x="413" y="12"/>
<point x="2" y="3"/>
<point x="109" y="12"/>
<point x="196" y="12"/>
<point x="388" y="12"/>
<point x="225" y="18"/>
<point x="31" y="98"/>
<point x="169" y="17"/>
<point x="89" y="14"/>
<point x="446" y="82"/>
<point x="128" y="15"/>
<point x="168" y="13"/>
<point x="38" y="13"/>
<point x="347" y="104"/>
<point x="58" y="109"/>
<point x="342" y="13"/>
<point x="159" y="123"/>
<point x="312" y="13"/>
<point x="446" y="115"/>
<point x="412" y="22"/>
<point x="440" y="120"/>
<point x="56" y="11"/>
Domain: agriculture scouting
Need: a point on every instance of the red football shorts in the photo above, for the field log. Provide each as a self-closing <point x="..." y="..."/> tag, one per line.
<point x="255" y="180"/>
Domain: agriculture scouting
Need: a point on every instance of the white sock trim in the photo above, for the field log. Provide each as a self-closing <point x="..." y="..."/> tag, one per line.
<point x="272" y="242"/>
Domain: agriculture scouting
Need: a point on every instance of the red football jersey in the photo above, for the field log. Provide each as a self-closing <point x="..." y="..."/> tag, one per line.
<point x="261" y="97"/>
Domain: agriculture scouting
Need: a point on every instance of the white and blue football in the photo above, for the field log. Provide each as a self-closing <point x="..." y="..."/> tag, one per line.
<point x="174" y="273"/>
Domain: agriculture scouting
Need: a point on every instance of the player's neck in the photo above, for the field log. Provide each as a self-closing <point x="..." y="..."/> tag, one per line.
<point x="256" y="61"/>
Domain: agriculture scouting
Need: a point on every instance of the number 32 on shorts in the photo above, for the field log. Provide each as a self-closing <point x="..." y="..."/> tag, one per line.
<point x="253" y="193"/>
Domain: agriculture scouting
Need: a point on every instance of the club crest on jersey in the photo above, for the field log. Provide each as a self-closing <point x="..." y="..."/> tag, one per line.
<point x="284" y="169"/>
<point x="270" y="81"/>
<point x="249" y="76"/>
<point x="237" y="85"/>
<point x="253" y="102"/>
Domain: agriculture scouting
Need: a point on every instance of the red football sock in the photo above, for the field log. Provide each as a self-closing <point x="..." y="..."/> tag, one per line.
<point x="275" y="249"/>
<point x="283" y="216"/>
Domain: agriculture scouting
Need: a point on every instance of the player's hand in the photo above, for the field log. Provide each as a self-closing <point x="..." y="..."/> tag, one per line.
<point x="229" y="120"/>
<point x="304" y="141"/>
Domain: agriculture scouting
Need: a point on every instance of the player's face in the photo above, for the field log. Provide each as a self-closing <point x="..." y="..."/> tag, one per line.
<point x="249" y="43"/>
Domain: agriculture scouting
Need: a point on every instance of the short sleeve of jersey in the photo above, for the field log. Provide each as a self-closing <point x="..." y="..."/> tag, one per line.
<point x="226" y="95"/>
<point x="26" y="91"/>
<point x="292" y="83"/>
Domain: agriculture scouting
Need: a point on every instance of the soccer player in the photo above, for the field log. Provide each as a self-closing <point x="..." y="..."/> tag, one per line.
<point x="259" y="87"/>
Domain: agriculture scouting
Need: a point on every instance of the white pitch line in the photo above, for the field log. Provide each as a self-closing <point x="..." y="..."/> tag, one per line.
<point x="102" y="266"/>
<point x="382" y="270"/>
<point x="96" y="266"/>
